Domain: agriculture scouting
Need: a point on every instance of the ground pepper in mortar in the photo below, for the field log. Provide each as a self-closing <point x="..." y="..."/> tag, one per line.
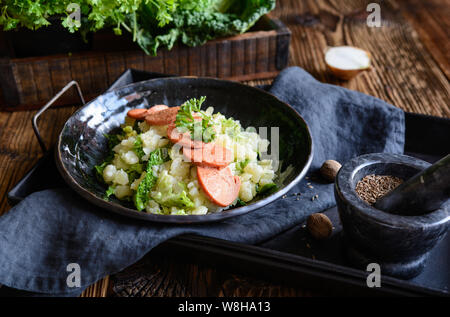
<point x="373" y="187"/>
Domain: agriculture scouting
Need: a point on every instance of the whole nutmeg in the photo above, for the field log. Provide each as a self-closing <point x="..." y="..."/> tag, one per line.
<point x="319" y="226"/>
<point x="329" y="169"/>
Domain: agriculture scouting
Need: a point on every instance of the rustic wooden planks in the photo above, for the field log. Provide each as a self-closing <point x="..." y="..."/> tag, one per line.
<point x="431" y="21"/>
<point x="405" y="73"/>
<point x="154" y="276"/>
<point x="33" y="80"/>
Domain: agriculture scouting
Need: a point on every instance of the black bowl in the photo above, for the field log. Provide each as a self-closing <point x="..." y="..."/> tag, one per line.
<point x="82" y="145"/>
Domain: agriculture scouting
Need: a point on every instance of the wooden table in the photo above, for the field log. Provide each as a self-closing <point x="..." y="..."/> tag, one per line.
<point x="410" y="70"/>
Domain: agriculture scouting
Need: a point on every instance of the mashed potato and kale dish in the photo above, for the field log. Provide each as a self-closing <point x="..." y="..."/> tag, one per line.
<point x="185" y="161"/>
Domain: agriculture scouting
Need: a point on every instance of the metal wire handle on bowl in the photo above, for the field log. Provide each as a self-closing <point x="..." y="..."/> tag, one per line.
<point x="48" y="105"/>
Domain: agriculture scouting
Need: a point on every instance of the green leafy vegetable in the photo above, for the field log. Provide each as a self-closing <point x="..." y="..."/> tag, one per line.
<point x="127" y="129"/>
<point x="157" y="157"/>
<point x="179" y="200"/>
<point x="99" y="170"/>
<point x="267" y="189"/>
<point x="240" y="202"/>
<point x="113" y="140"/>
<point x="151" y="23"/>
<point x="138" y="147"/>
<point x="109" y="192"/>
<point x="169" y="193"/>
<point x="199" y="130"/>
<point x="134" y="172"/>
<point x="241" y="165"/>
<point x="232" y="128"/>
<point x="136" y="126"/>
<point x="180" y="212"/>
<point x="127" y="132"/>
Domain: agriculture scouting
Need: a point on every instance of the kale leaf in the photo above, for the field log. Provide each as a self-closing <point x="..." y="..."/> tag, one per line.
<point x="152" y="23"/>
<point x="267" y="189"/>
<point x="138" y="147"/>
<point x="157" y="157"/>
<point x="199" y="130"/>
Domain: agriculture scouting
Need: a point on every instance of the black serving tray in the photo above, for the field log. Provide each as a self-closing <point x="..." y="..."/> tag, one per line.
<point x="293" y="257"/>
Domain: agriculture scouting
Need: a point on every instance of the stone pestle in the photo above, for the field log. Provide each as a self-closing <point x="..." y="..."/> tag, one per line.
<point x="422" y="193"/>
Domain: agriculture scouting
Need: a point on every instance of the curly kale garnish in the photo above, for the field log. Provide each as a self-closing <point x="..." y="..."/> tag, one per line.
<point x="185" y="121"/>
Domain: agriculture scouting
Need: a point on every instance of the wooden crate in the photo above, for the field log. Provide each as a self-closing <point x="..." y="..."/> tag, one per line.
<point x="28" y="83"/>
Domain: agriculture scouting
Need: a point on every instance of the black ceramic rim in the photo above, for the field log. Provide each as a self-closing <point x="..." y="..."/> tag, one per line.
<point x="348" y="193"/>
<point x="184" y="219"/>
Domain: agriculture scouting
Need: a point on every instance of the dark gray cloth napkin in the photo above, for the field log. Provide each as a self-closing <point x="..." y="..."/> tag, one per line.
<point x="50" y="229"/>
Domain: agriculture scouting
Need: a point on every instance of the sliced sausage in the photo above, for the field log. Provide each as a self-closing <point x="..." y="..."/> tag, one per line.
<point x="163" y="117"/>
<point x="156" y="108"/>
<point x="210" y="154"/>
<point x="183" y="139"/>
<point x="219" y="185"/>
<point x="138" y="114"/>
